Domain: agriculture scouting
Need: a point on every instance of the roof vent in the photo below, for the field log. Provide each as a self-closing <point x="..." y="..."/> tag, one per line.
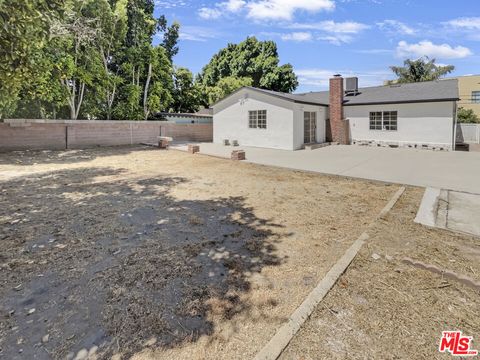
<point x="351" y="86"/>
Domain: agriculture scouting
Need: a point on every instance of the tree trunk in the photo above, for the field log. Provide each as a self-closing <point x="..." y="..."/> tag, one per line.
<point x="145" y="93"/>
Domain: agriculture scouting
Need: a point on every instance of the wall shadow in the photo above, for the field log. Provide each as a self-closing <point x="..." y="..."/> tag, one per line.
<point x="113" y="262"/>
<point x="31" y="157"/>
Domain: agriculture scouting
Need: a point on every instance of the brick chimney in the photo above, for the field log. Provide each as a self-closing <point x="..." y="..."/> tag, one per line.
<point x="338" y="125"/>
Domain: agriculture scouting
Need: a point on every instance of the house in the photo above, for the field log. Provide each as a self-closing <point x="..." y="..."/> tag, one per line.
<point x="419" y="115"/>
<point x="469" y="90"/>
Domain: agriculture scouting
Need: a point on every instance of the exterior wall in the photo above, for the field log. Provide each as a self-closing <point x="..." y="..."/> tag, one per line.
<point x="62" y="134"/>
<point x="230" y="120"/>
<point x="298" y="128"/>
<point x="467" y="84"/>
<point x="428" y="125"/>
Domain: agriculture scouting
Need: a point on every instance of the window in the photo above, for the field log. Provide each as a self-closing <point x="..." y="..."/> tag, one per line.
<point x="375" y="121"/>
<point x="390" y="120"/>
<point x="386" y="120"/>
<point x="257" y="119"/>
<point x="476" y="97"/>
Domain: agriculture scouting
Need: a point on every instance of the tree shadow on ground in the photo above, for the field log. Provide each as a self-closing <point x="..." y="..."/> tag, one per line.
<point x="112" y="261"/>
<point x="69" y="156"/>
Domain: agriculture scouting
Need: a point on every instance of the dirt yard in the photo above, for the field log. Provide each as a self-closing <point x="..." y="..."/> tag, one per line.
<point x="134" y="251"/>
<point x="383" y="308"/>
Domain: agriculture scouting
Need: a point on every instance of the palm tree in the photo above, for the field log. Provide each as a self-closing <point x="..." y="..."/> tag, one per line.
<point x="422" y="69"/>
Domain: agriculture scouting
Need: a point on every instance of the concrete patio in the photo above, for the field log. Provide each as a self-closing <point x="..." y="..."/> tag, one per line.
<point x="446" y="170"/>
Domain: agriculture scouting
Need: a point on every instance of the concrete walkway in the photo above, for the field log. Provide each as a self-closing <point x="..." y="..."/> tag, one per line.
<point x="450" y="210"/>
<point x="446" y="170"/>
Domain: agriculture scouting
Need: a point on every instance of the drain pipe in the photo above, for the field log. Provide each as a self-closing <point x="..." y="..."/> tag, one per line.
<point x="455" y="122"/>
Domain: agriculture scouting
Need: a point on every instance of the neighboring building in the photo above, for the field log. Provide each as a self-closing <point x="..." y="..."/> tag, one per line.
<point x="469" y="91"/>
<point x="411" y="115"/>
<point x="186" y="118"/>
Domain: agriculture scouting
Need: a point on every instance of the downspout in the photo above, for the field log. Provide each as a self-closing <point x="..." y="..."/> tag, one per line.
<point x="455" y="120"/>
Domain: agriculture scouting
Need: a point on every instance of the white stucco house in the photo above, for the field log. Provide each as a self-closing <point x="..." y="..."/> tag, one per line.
<point x="421" y="115"/>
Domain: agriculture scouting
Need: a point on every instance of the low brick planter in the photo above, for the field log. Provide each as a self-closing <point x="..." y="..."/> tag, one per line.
<point x="192" y="149"/>
<point x="163" y="144"/>
<point x="238" y="155"/>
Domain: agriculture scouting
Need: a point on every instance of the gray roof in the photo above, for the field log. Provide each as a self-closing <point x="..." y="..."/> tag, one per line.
<point x="429" y="91"/>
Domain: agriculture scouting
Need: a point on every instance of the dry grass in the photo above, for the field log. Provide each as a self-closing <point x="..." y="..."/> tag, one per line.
<point x="165" y="254"/>
<point x="385" y="309"/>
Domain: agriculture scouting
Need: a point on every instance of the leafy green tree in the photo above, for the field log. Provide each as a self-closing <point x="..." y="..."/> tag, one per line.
<point x="42" y="95"/>
<point x="422" y="69"/>
<point x="186" y="93"/>
<point x="157" y="94"/>
<point x="170" y="36"/>
<point x="257" y="60"/>
<point x="79" y="62"/>
<point x="467" y="116"/>
<point x="146" y="70"/>
<point x="225" y="87"/>
<point x="111" y="26"/>
<point x="24" y="31"/>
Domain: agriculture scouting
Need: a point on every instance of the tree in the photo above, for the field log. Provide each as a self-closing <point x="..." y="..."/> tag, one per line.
<point x="24" y="32"/>
<point x="111" y="22"/>
<point x="253" y="59"/>
<point x="146" y="70"/>
<point x="78" y="60"/>
<point x="422" y="69"/>
<point x="467" y="116"/>
<point x="159" y="84"/>
<point x="186" y="93"/>
<point x="170" y="36"/>
<point x="225" y="87"/>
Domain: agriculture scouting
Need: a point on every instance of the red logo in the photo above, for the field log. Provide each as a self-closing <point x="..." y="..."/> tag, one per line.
<point x="456" y="344"/>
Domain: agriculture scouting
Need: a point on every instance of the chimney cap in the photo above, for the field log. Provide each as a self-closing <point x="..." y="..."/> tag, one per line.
<point x="337" y="75"/>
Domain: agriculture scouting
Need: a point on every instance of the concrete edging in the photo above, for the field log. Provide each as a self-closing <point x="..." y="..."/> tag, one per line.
<point x="274" y="348"/>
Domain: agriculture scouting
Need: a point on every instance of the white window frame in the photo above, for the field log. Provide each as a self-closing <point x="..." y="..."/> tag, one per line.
<point x="383" y="120"/>
<point x="257" y="119"/>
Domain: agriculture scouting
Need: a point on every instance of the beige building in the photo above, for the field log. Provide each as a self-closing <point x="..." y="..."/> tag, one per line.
<point x="469" y="92"/>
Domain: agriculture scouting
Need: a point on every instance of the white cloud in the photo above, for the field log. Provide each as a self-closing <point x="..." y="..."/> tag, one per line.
<point x="266" y="9"/>
<point x="230" y="6"/>
<point x="337" y="39"/>
<point x="336" y="33"/>
<point x="395" y="26"/>
<point x="330" y="26"/>
<point x="297" y="36"/>
<point x="284" y="9"/>
<point x="467" y="23"/>
<point x="197" y="33"/>
<point x="319" y="78"/>
<point x="233" y="5"/>
<point x="427" y="48"/>
<point x="209" y="13"/>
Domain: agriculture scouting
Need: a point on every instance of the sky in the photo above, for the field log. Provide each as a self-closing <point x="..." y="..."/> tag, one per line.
<point x="325" y="37"/>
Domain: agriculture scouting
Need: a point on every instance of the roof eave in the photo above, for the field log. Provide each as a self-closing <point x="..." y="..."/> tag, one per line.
<point x="402" y="102"/>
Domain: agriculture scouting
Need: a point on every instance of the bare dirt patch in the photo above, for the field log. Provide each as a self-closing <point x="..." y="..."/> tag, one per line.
<point x="382" y="308"/>
<point x="162" y="254"/>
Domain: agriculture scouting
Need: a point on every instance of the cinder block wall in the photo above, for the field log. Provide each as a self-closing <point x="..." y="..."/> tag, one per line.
<point x="32" y="136"/>
<point x="61" y="134"/>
